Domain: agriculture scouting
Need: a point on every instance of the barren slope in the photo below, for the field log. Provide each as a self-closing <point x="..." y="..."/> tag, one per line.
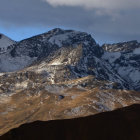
<point x="122" y="124"/>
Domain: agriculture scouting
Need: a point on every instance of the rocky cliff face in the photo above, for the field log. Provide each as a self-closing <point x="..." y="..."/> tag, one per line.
<point x="64" y="74"/>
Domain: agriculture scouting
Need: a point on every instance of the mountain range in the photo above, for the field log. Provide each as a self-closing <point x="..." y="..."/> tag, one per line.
<point x="65" y="74"/>
<point x="121" y="124"/>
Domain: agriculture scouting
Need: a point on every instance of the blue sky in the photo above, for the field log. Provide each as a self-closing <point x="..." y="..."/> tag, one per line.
<point x="107" y="21"/>
<point x="18" y="34"/>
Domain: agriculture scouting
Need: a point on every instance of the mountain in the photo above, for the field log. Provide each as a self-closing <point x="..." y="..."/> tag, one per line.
<point x="63" y="74"/>
<point x="122" y="124"/>
<point x="125" y="60"/>
<point x="72" y="51"/>
<point x="5" y="42"/>
<point x="27" y="51"/>
<point x="123" y="46"/>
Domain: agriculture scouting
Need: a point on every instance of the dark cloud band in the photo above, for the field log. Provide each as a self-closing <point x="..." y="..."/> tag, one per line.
<point x="120" y="25"/>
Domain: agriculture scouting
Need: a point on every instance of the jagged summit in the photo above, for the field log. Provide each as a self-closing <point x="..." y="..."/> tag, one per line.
<point x="122" y="46"/>
<point x="57" y="36"/>
<point x="42" y="46"/>
<point x="58" y="31"/>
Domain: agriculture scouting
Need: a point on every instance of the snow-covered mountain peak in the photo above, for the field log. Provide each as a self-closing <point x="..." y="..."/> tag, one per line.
<point x="74" y="54"/>
<point x="5" y="42"/>
<point x="62" y="37"/>
<point x="56" y="31"/>
<point x="44" y="45"/>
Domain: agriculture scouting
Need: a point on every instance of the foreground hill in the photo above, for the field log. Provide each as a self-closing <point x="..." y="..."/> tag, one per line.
<point x="122" y="124"/>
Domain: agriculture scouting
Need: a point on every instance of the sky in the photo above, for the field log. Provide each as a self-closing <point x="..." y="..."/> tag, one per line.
<point x="108" y="21"/>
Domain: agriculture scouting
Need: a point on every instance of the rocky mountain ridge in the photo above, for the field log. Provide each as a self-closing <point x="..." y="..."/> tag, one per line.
<point x="76" y="51"/>
<point x="123" y="46"/>
<point x="64" y="74"/>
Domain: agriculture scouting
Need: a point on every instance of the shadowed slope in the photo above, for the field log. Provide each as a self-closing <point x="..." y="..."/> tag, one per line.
<point x="122" y="124"/>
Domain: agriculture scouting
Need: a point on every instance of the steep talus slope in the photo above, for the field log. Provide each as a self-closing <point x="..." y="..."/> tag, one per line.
<point x="125" y="60"/>
<point x="122" y="124"/>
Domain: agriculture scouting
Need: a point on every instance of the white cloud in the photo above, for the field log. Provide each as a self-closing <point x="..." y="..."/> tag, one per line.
<point x="106" y="4"/>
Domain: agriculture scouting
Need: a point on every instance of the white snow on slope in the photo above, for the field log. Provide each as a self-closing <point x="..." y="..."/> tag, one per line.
<point x="5" y="42"/>
<point x="129" y="72"/>
<point x="136" y="51"/>
<point x="111" y="57"/>
<point x="135" y="76"/>
<point x="60" y="38"/>
<point x="10" y="64"/>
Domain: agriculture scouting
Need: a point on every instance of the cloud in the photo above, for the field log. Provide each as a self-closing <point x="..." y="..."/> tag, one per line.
<point x="106" y="4"/>
<point x="121" y="24"/>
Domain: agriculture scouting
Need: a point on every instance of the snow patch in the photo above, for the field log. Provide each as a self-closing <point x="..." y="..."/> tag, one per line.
<point x="56" y="62"/>
<point x="58" y="39"/>
<point x="136" y="51"/>
<point x="111" y="57"/>
<point x="10" y="64"/>
<point x="64" y="37"/>
<point x="5" y="42"/>
<point x="21" y="85"/>
<point x="135" y="76"/>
